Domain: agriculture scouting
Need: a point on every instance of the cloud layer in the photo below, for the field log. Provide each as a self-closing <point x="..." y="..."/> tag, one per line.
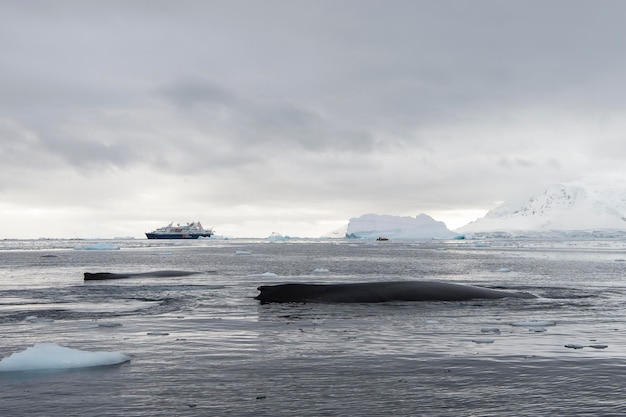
<point x="293" y="117"/>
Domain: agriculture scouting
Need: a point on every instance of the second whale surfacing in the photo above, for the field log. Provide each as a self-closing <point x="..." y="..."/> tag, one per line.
<point x="99" y="276"/>
<point x="379" y="292"/>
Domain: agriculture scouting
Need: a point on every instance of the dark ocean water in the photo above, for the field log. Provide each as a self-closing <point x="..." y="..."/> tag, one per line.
<point x="201" y="345"/>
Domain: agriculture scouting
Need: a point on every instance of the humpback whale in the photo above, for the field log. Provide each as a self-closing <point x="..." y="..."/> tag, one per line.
<point x="379" y="292"/>
<point x="94" y="276"/>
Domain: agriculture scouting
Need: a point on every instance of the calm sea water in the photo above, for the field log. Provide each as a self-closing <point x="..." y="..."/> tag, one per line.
<point x="202" y="346"/>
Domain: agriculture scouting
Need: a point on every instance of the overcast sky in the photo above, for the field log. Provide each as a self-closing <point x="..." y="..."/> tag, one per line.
<point x="254" y="117"/>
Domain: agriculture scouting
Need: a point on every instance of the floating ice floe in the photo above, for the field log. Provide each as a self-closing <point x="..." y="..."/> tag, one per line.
<point x="490" y="330"/>
<point x="482" y="341"/>
<point x="98" y="246"/>
<point x="503" y="270"/>
<point x="43" y="356"/>
<point x="594" y="346"/>
<point x="534" y="323"/>
<point x="263" y="275"/>
<point x="321" y="271"/>
<point x="243" y="252"/>
<point x="109" y="324"/>
<point x="35" y="319"/>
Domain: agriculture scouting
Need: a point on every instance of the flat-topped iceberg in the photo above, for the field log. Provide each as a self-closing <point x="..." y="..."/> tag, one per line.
<point x="373" y="226"/>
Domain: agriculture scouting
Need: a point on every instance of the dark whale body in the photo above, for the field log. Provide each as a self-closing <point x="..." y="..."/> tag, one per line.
<point x="378" y="292"/>
<point x="96" y="276"/>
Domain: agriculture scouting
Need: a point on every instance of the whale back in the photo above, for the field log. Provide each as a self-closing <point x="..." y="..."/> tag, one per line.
<point x="376" y="292"/>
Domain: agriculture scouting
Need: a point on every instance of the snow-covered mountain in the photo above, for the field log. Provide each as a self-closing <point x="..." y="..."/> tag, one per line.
<point x="579" y="207"/>
<point x="372" y="226"/>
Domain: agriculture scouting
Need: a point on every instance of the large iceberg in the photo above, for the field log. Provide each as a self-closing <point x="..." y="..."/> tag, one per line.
<point x="373" y="226"/>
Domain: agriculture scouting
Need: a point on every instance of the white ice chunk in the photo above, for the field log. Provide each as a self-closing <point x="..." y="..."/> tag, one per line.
<point x="503" y="270"/>
<point x="243" y="252"/>
<point x="52" y="356"/>
<point x="321" y="271"/>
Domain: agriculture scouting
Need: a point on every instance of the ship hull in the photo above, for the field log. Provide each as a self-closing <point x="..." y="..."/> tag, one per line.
<point x="176" y="235"/>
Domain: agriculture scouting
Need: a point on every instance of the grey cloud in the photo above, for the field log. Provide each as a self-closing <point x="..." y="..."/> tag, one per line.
<point x="198" y="93"/>
<point x="90" y="155"/>
<point x="262" y="122"/>
<point x="364" y="104"/>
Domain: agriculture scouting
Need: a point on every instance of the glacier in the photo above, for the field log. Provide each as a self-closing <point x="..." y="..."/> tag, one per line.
<point x="579" y="208"/>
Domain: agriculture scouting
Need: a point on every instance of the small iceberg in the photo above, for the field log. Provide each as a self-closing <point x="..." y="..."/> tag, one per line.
<point x="277" y="236"/>
<point x="243" y="252"/>
<point x="321" y="271"/>
<point x="48" y="356"/>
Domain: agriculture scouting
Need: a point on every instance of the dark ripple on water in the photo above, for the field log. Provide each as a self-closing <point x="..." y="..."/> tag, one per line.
<point x="77" y="302"/>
